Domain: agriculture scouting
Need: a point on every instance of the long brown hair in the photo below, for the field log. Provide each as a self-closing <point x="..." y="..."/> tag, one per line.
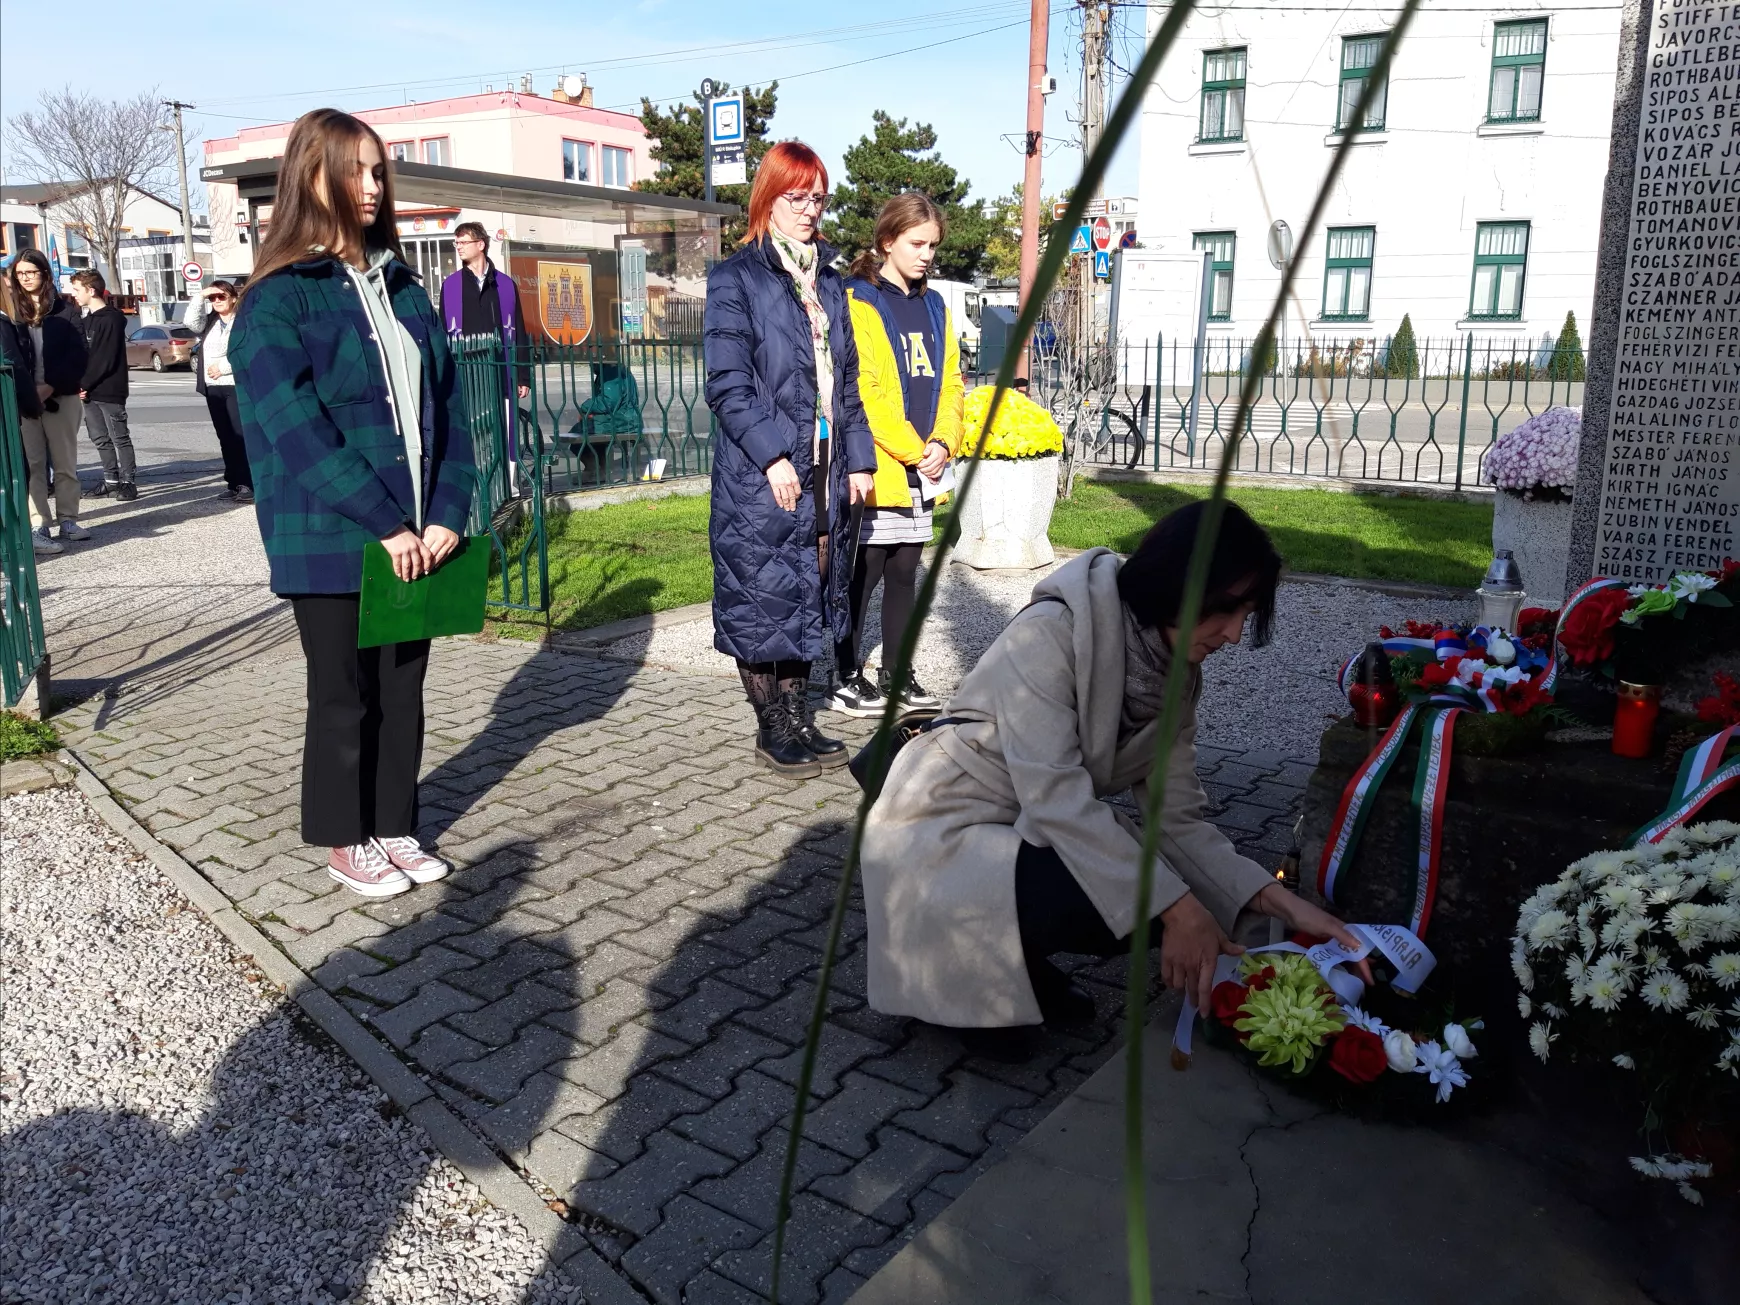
<point x="899" y="215"/>
<point x="324" y="143"/>
<point x="33" y="310"/>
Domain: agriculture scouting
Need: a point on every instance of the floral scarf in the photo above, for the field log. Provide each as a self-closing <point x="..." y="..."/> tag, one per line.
<point x="803" y="265"/>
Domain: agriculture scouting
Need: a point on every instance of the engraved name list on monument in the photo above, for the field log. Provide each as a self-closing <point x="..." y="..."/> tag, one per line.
<point x="1670" y="497"/>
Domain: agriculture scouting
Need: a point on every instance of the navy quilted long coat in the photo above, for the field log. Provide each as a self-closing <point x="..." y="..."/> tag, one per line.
<point x="768" y="599"/>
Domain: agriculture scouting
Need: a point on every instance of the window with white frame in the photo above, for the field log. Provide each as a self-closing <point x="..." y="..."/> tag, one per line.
<point x="577" y="161"/>
<point x="436" y="151"/>
<point x="618" y="167"/>
<point x="1519" y="66"/>
<point x="402" y="151"/>
<point x="1359" y="55"/>
<point x="1501" y="261"/>
<point x="1220" y="246"/>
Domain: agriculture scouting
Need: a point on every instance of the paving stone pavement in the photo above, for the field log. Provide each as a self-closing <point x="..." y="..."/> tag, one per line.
<point x="613" y="986"/>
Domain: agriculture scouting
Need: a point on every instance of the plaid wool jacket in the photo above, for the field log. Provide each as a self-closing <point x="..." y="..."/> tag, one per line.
<point x="328" y="461"/>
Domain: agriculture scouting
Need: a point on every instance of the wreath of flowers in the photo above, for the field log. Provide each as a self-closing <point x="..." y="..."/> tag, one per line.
<point x="1590" y="632"/>
<point x="1487" y="669"/>
<point x="1023" y="429"/>
<point x="1280" y="1011"/>
<point x="1633" y="958"/>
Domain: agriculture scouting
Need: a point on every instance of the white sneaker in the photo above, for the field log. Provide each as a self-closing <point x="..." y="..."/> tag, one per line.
<point x="43" y="545"/>
<point x="408" y="855"/>
<point x="363" y="868"/>
<point x="70" y="529"/>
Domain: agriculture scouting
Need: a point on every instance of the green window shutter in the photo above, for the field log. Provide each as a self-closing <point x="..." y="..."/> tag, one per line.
<point x="1220" y="246"/>
<point x="1223" y="96"/>
<point x="1347" y="274"/>
<point x="1359" y="55"/>
<point x="1501" y="258"/>
<point x="1519" y="67"/>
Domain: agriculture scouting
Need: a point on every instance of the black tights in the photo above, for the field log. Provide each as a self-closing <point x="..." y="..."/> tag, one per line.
<point x="895" y="567"/>
<point x="766" y="682"/>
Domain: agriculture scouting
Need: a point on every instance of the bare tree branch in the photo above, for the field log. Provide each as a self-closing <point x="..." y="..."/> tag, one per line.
<point x="100" y="151"/>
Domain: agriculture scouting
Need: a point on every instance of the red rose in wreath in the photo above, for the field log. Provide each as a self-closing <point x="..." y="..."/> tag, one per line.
<point x="1439" y="674"/>
<point x="1357" y="1056"/>
<point x="1537" y="621"/>
<point x="1587" y="634"/>
<point x="1226" y="1002"/>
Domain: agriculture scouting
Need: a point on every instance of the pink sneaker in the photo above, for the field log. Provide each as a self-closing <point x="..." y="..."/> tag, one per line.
<point x="407" y="854"/>
<point x="364" y="868"/>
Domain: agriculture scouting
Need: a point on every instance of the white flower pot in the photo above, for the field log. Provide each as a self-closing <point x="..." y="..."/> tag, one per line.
<point x="1006" y="517"/>
<point x="1539" y="535"/>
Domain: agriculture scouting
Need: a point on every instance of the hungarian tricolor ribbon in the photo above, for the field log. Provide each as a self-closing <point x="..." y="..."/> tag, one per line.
<point x="1702" y="776"/>
<point x="1356" y="798"/>
<point x="1582" y="592"/>
<point x="1431" y="787"/>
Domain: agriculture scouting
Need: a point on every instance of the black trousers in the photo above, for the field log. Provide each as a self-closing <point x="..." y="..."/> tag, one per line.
<point x="363" y="747"/>
<point x="226" y="420"/>
<point x="1055" y="915"/>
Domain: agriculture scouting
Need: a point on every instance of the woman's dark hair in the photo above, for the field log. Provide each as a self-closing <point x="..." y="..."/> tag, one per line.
<point x="1245" y="569"/>
<point x="33" y="310"/>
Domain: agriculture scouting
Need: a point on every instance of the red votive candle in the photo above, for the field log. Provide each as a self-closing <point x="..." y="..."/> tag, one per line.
<point x="1634" y="718"/>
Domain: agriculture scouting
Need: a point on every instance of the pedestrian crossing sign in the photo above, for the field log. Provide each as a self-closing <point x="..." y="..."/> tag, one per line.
<point x="1103" y="264"/>
<point x="1083" y="241"/>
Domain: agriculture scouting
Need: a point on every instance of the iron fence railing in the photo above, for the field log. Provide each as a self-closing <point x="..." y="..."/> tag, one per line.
<point x="1425" y="413"/>
<point x="23" y="641"/>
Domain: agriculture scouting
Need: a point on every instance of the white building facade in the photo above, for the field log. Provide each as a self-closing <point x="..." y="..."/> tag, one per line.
<point x="1471" y="202"/>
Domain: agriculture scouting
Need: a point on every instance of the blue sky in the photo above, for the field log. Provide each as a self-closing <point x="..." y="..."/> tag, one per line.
<point x="250" y="65"/>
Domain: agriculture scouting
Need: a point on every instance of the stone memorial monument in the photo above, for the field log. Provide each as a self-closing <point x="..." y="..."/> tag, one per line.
<point x="1658" y="483"/>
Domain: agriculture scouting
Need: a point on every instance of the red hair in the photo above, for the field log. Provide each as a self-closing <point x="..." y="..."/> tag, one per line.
<point x="789" y="165"/>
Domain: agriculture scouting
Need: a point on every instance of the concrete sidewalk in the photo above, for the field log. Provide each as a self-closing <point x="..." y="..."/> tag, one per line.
<point x="1256" y="1195"/>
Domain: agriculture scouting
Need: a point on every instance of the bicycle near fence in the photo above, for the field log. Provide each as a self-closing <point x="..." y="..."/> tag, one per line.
<point x="1420" y="415"/>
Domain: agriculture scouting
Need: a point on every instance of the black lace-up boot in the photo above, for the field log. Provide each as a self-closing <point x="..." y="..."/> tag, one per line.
<point x="779" y="744"/>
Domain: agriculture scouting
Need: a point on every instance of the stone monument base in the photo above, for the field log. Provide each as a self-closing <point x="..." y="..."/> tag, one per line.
<point x="1538" y="533"/>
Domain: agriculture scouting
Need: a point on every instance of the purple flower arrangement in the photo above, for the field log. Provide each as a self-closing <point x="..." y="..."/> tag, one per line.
<point x="1538" y="460"/>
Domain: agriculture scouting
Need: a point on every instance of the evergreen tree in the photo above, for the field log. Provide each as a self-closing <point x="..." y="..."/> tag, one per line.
<point x="1567" y="363"/>
<point x="1403" y="359"/>
<point x="894" y="159"/>
<point x="1003" y="249"/>
<point x="681" y="138"/>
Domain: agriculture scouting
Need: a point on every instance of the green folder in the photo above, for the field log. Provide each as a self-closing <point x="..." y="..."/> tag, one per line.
<point x="447" y="601"/>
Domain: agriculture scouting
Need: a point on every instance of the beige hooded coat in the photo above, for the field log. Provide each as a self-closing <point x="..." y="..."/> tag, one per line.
<point x="1040" y="752"/>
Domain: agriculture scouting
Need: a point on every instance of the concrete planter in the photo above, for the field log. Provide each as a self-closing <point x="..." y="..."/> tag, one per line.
<point x="1007" y="515"/>
<point x="1539" y="534"/>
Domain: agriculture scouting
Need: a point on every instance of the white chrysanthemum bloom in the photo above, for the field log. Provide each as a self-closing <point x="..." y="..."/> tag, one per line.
<point x="1359" y="1019"/>
<point x="1712" y="831"/>
<point x="1705" y="1017"/>
<point x="1721" y="922"/>
<point x="1541" y="1039"/>
<point x="1665" y="991"/>
<point x="1587" y="939"/>
<point x="1624" y="1061"/>
<point x="1549" y="930"/>
<point x="1524" y="1006"/>
<point x="1647" y="1166"/>
<point x="1670" y="886"/>
<point x="1623" y="898"/>
<point x="1654" y="958"/>
<point x="1685" y="925"/>
<point x="1551" y="1011"/>
<point x="1725" y="969"/>
<point x="1576" y="970"/>
<point x="1690" y="1193"/>
<point x="1520" y="967"/>
<point x="1604" y="993"/>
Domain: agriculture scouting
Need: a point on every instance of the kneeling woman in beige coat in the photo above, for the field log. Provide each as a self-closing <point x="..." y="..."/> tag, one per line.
<point x="990" y="848"/>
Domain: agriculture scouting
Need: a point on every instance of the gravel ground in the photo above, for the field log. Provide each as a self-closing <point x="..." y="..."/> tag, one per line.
<point x="1279" y="697"/>
<point x="168" y="1131"/>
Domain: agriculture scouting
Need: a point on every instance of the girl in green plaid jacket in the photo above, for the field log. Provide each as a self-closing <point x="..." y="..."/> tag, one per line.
<point x="355" y="431"/>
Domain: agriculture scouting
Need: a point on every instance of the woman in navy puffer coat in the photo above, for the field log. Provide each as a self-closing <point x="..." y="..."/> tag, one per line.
<point x="793" y="455"/>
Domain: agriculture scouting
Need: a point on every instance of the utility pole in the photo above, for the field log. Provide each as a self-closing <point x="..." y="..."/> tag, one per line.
<point x="707" y="138"/>
<point x="1032" y="181"/>
<point x="1095" y="19"/>
<point x="181" y="166"/>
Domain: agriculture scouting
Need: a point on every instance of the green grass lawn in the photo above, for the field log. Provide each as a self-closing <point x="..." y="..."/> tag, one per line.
<point x="1360" y="536"/>
<point x="629" y="559"/>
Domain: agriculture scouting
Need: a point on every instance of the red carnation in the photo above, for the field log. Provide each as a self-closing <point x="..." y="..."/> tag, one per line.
<point x="1521" y="698"/>
<point x="1384" y="632"/>
<point x="1260" y="980"/>
<point x="1420" y="629"/>
<point x="1587" y="634"/>
<point x="1226" y="1003"/>
<point x="1439" y="674"/>
<point x="1357" y="1056"/>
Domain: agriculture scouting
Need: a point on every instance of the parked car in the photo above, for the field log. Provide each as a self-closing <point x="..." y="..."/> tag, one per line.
<point x="158" y="347"/>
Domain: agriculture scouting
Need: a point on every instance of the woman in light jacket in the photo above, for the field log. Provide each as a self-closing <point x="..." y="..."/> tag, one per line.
<point x="355" y="432"/>
<point x="909" y="373"/>
<point x="793" y="455"/>
<point x="990" y="848"/>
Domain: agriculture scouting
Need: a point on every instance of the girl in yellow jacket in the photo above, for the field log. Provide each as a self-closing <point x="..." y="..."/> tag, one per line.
<point x="909" y="375"/>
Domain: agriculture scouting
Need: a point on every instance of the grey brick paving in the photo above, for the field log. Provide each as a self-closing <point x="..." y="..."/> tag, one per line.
<point x="614" y="983"/>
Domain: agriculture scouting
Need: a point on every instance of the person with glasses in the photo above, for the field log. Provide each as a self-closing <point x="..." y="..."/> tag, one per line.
<point x="476" y="299"/>
<point x="214" y="378"/>
<point x="793" y="459"/>
<point x="48" y="324"/>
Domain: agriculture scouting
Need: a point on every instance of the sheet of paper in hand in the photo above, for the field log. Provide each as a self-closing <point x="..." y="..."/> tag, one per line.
<point x="448" y="601"/>
<point x="943" y="484"/>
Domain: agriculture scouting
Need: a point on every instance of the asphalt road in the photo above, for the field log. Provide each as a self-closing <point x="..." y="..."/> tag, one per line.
<point x="172" y="434"/>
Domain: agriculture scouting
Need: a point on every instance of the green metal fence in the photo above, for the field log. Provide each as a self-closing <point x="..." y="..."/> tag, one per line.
<point x="23" y="642"/>
<point x="1424" y="414"/>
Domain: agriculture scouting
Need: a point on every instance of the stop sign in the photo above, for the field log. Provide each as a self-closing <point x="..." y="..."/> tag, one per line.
<point x="1102" y="233"/>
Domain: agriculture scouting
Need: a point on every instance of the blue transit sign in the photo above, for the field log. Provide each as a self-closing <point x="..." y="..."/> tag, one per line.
<point x="1103" y="264"/>
<point x="1083" y="241"/>
<point x="725" y="121"/>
